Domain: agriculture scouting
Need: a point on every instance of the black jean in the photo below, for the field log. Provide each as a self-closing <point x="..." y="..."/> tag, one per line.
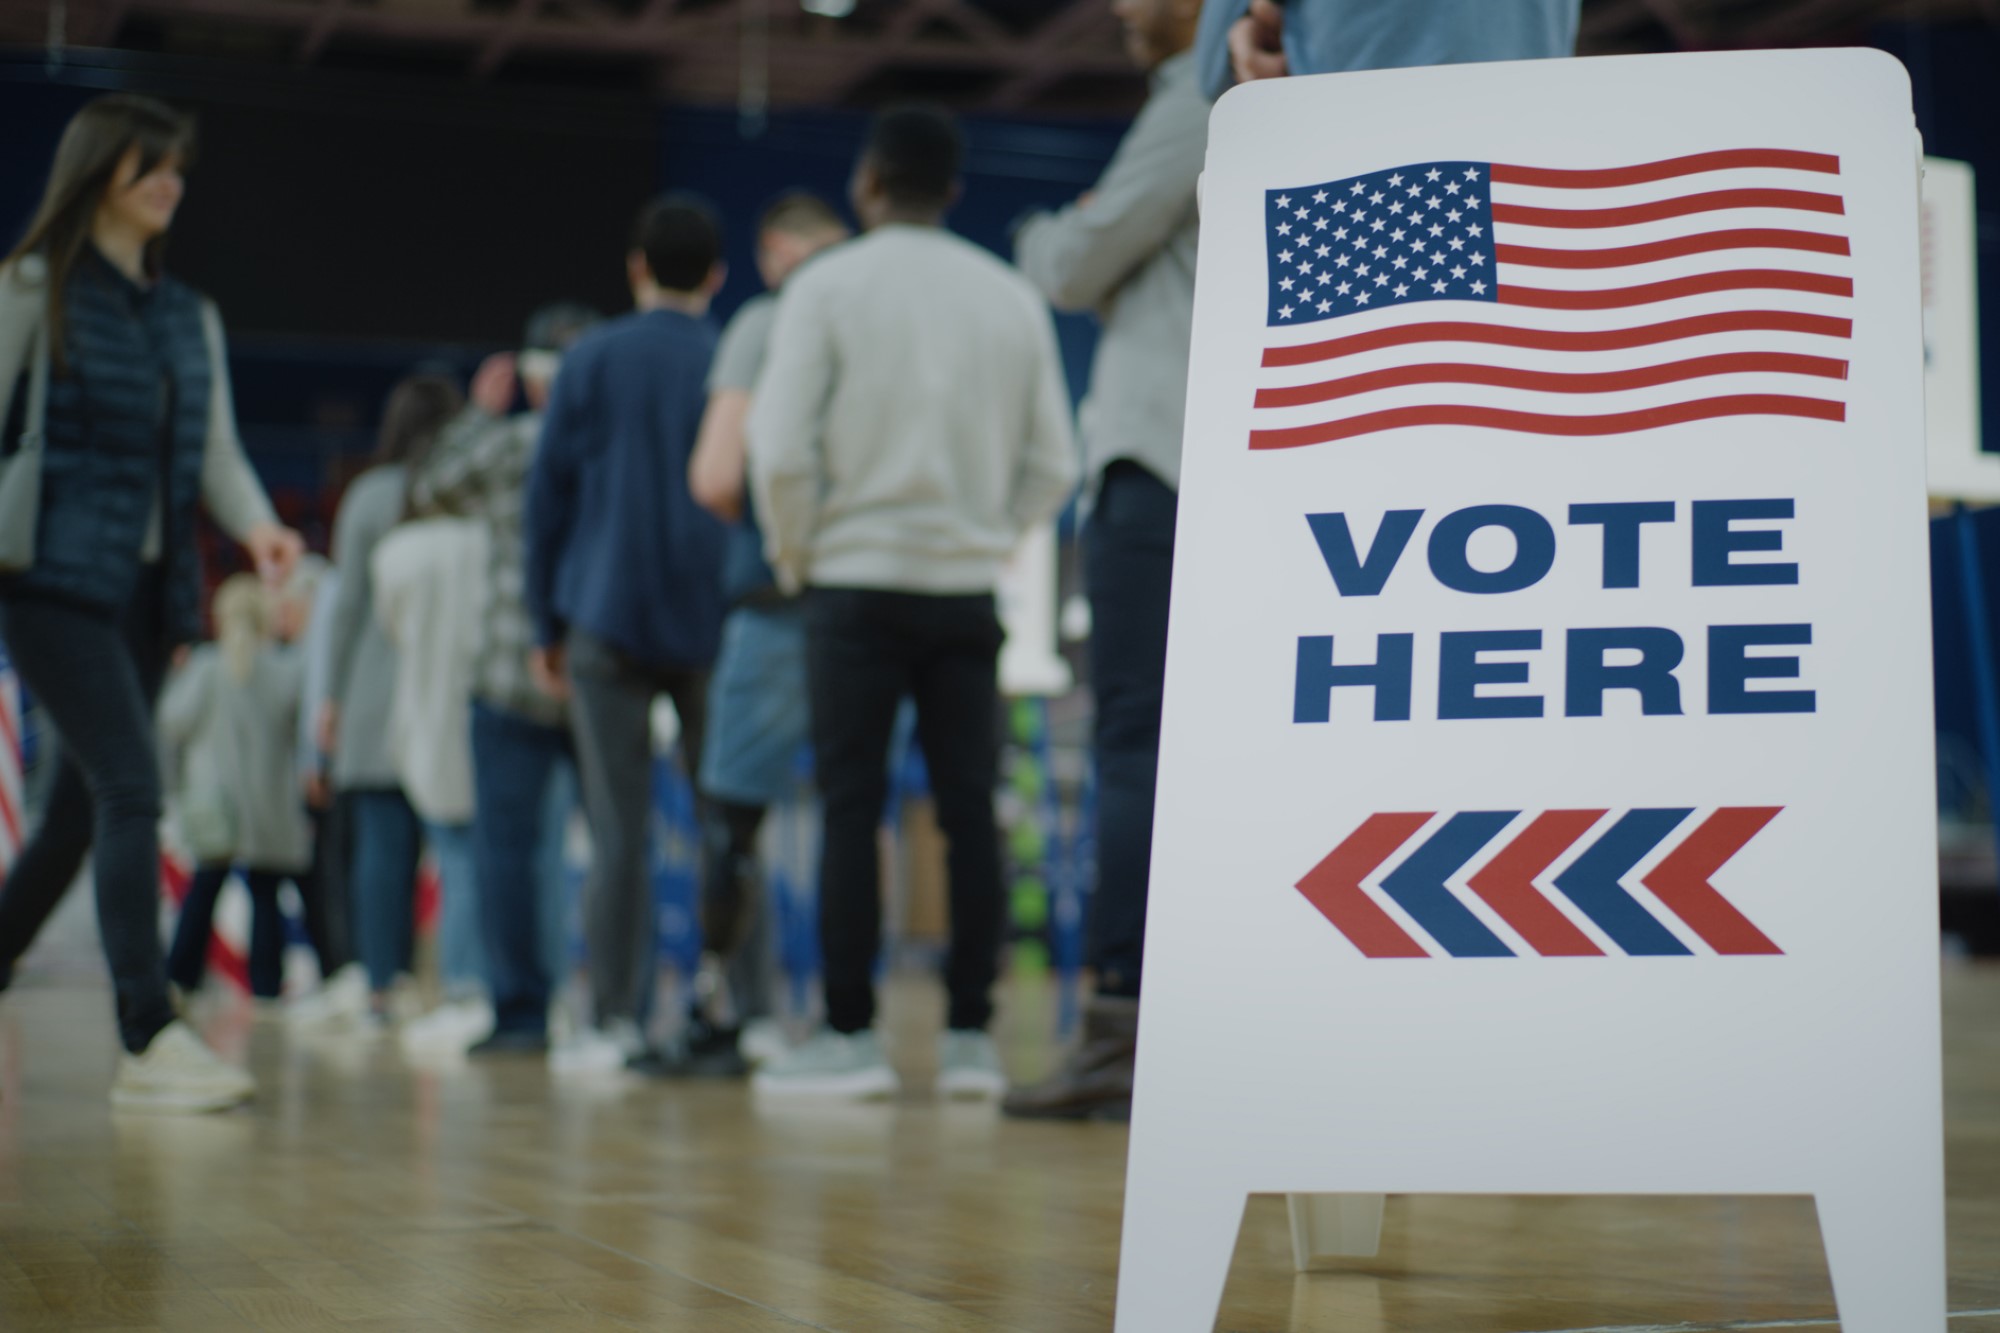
<point x="187" y="960"/>
<point x="97" y="676"/>
<point x="323" y="888"/>
<point x="866" y="650"/>
<point x="1129" y="565"/>
<point x="611" y="704"/>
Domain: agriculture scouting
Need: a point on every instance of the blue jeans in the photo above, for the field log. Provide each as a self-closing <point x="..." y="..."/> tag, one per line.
<point x="387" y="841"/>
<point x="1128" y="559"/>
<point x="514" y="763"/>
<point x="461" y="956"/>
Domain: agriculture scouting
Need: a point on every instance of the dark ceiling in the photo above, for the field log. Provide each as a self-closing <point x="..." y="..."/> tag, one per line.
<point x="1051" y="56"/>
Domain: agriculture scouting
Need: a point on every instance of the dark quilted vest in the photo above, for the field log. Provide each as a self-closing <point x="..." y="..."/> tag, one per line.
<point x="130" y="413"/>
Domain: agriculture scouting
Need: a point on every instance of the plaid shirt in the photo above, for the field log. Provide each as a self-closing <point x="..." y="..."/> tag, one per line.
<point x="480" y="470"/>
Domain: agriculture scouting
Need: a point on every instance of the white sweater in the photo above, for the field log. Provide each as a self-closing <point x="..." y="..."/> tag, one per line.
<point x="430" y="592"/>
<point x="912" y="420"/>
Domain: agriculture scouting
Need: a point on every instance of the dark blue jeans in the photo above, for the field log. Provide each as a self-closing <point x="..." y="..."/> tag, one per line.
<point x="514" y="761"/>
<point x="388" y="840"/>
<point x="1128" y="552"/>
<point x="97" y="675"/>
<point x="187" y="961"/>
<point x="867" y="650"/>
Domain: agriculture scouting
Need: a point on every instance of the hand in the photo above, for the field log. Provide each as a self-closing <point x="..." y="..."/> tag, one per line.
<point x="493" y="386"/>
<point x="275" y="549"/>
<point x="1257" y="43"/>
<point x="182" y="652"/>
<point x="326" y="729"/>
<point x="549" y="669"/>
<point x="319" y="793"/>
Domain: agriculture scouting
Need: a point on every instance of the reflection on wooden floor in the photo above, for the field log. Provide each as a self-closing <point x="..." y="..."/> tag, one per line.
<point x="362" y="1194"/>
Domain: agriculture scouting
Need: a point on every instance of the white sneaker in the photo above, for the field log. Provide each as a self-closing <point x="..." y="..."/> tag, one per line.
<point x="969" y="1067"/>
<point x="763" y="1041"/>
<point x="849" y="1066"/>
<point x="340" y="1002"/>
<point x="177" y="1074"/>
<point x="449" y="1029"/>
<point x="598" y="1050"/>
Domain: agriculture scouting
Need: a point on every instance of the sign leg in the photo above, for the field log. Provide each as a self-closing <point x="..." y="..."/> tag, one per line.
<point x="1334" y="1225"/>
<point x="1179" y="1239"/>
<point x="1885" y="1251"/>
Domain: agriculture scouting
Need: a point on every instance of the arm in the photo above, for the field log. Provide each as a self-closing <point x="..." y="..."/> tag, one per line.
<point x="230" y="489"/>
<point x="787" y="455"/>
<point x="1082" y="254"/>
<point x="722" y="454"/>
<point x="1049" y="464"/>
<point x="23" y="307"/>
<point x="355" y="532"/>
<point x="550" y="513"/>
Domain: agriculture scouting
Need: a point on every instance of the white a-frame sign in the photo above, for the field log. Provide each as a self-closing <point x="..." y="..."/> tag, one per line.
<point x="1546" y="800"/>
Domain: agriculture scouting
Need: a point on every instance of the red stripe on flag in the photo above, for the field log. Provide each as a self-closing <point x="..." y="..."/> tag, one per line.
<point x="1507" y="884"/>
<point x="1648" y="293"/>
<point x="1731" y="159"/>
<point x="1545" y="381"/>
<point x="1737" y="238"/>
<point x="1334" y="886"/>
<point x="1538" y="423"/>
<point x="1681" y="880"/>
<point x="10" y="823"/>
<point x="1659" y="209"/>
<point x="1562" y="340"/>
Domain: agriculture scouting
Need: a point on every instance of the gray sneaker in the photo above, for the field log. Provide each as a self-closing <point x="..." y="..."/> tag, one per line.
<point x="178" y="1074"/>
<point x="969" y="1067"/>
<point x="831" y="1064"/>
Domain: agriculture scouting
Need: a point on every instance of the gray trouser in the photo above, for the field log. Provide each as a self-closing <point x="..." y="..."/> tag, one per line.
<point x="610" y="713"/>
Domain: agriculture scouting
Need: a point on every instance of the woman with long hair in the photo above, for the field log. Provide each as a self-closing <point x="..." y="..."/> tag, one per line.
<point x="361" y="686"/>
<point x="232" y="713"/>
<point x="136" y="429"/>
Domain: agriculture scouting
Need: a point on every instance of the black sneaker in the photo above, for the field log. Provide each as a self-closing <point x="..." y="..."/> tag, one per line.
<point x="703" y="1051"/>
<point x="511" y="1043"/>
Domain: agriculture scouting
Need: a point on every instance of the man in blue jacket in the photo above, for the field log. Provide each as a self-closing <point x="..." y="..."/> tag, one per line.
<point x="624" y="582"/>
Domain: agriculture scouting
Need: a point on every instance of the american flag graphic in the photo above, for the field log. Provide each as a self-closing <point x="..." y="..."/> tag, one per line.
<point x="13" y="806"/>
<point x="1555" y="301"/>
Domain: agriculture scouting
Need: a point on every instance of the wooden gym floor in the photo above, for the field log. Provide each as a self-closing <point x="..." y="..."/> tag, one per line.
<point x="363" y="1194"/>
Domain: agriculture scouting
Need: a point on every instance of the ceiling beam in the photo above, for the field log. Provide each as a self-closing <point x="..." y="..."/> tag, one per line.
<point x="1054" y="57"/>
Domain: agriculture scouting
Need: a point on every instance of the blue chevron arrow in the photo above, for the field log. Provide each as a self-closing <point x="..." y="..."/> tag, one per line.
<point x="1591" y="882"/>
<point x="1418" y="885"/>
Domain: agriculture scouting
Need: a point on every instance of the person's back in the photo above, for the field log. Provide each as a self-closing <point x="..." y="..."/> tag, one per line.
<point x="911" y="422"/>
<point x="943" y="383"/>
<point x="1338" y="36"/>
<point x="640" y="565"/>
<point x="429" y="598"/>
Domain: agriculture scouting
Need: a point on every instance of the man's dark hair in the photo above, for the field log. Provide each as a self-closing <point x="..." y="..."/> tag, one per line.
<point x="916" y="151"/>
<point x="800" y="213"/>
<point x="681" y="237"/>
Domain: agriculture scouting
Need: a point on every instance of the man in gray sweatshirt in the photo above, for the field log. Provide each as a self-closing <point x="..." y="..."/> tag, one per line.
<point x="911" y="422"/>
<point x="1126" y="250"/>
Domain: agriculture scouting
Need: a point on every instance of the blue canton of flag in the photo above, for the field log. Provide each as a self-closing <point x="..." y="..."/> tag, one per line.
<point x="1389" y="238"/>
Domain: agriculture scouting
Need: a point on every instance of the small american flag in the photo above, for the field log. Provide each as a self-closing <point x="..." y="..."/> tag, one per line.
<point x="1555" y="302"/>
<point x="13" y="806"/>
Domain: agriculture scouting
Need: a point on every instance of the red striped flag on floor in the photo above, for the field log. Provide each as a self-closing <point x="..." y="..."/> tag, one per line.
<point x="13" y="793"/>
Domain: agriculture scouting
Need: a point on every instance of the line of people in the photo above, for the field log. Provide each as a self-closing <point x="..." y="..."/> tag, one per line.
<point x="787" y="532"/>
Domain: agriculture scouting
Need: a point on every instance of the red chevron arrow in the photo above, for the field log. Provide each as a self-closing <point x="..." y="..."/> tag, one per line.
<point x="1334" y="886"/>
<point x="1507" y="883"/>
<point x="1681" y="880"/>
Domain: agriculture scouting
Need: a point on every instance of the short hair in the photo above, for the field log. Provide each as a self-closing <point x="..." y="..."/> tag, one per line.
<point x="916" y="151"/>
<point x="800" y="213"/>
<point x="554" y="328"/>
<point x="681" y="237"/>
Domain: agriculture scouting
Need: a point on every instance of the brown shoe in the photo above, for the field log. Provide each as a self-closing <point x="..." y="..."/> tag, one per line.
<point x="1094" y="1081"/>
